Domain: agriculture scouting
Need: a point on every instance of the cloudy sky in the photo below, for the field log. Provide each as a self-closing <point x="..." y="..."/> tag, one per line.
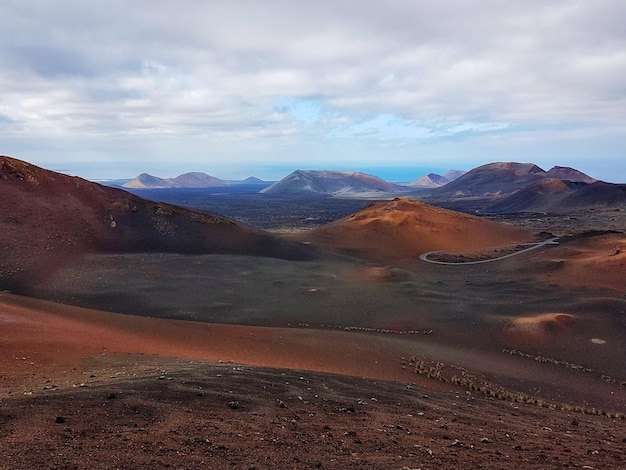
<point x="233" y="88"/>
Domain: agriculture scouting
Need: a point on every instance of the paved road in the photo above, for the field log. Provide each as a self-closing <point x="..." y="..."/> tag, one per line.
<point x="532" y="246"/>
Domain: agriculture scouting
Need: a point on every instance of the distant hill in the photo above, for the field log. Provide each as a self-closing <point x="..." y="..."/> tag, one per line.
<point x="336" y="183"/>
<point x="196" y="180"/>
<point x="524" y="187"/>
<point x="492" y="179"/>
<point x="556" y="195"/>
<point x="404" y="228"/>
<point x="451" y="175"/>
<point x="47" y="218"/>
<point x="535" y="197"/>
<point x="501" y="178"/>
<point x="187" y="180"/>
<point x="145" y="180"/>
<point x="433" y="180"/>
<point x="569" y="174"/>
<point x="249" y="180"/>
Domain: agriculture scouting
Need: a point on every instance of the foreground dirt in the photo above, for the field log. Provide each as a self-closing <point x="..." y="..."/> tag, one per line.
<point x="82" y="389"/>
<point x="175" y="414"/>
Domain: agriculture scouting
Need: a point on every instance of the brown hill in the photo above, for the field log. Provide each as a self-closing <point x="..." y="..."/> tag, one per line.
<point x="492" y="179"/>
<point x="503" y="178"/>
<point x="538" y="197"/>
<point x="561" y="195"/>
<point x="507" y="187"/>
<point x="404" y="228"/>
<point x="47" y="217"/>
<point x="569" y="174"/>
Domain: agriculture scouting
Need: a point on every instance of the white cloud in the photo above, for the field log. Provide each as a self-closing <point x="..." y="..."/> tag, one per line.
<point x="402" y="71"/>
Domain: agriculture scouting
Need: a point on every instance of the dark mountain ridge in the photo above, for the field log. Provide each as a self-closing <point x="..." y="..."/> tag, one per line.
<point x="555" y="195"/>
<point x="507" y="187"/>
<point x="492" y="179"/>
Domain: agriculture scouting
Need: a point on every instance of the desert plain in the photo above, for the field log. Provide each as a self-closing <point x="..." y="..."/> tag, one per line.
<point x="334" y="347"/>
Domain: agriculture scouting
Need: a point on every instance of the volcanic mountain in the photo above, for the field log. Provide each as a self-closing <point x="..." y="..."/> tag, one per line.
<point x="186" y="180"/>
<point x="517" y="187"/>
<point x="501" y="178"/>
<point x="335" y="183"/>
<point x="559" y="196"/>
<point x="47" y="217"/>
<point x="404" y="228"/>
<point x="433" y="180"/>
<point x="569" y="174"/>
<point x="145" y="180"/>
<point x="197" y="180"/>
<point x="251" y="180"/>
<point x="492" y="179"/>
<point x="451" y="175"/>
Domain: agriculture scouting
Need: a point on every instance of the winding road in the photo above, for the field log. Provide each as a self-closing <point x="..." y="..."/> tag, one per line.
<point x="532" y="246"/>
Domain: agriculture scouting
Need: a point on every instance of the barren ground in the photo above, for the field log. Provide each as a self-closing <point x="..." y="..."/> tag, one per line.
<point x="173" y="414"/>
<point x="357" y="359"/>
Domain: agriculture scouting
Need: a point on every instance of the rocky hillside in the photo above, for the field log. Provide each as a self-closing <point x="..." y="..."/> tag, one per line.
<point x="46" y="217"/>
<point x="404" y="228"/>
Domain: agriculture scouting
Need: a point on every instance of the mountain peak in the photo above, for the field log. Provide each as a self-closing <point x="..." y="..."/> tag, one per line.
<point x="493" y="179"/>
<point x="431" y="180"/>
<point x="146" y="180"/>
<point x="197" y="180"/>
<point x="519" y="169"/>
<point x="569" y="174"/>
<point x="193" y="179"/>
<point x="331" y="182"/>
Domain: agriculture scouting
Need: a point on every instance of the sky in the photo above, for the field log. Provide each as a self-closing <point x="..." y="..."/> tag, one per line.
<point x="233" y="88"/>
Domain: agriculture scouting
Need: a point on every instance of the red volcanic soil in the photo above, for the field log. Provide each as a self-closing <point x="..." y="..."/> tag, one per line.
<point x="47" y="217"/>
<point x="537" y="329"/>
<point x="84" y="389"/>
<point x="589" y="260"/>
<point x="403" y="229"/>
<point x="595" y="262"/>
<point x="38" y="336"/>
